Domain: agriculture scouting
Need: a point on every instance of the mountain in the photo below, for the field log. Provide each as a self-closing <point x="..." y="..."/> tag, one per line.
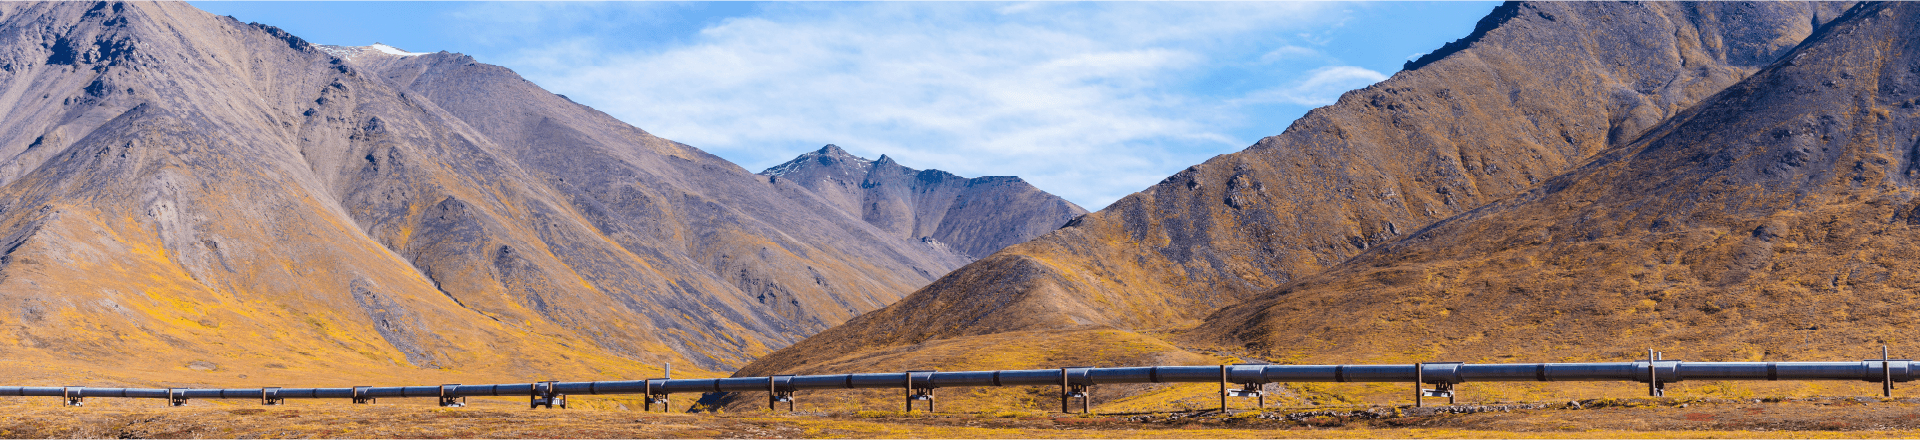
<point x="1534" y="91"/>
<point x="1773" y="221"/>
<point x="178" y="189"/>
<point x="974" y="216"/>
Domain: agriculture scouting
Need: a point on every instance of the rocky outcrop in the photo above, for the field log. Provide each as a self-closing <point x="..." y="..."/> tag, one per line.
<point x="974" y="216"/>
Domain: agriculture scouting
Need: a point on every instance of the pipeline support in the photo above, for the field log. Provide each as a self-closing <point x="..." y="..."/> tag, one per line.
<point x="1074" y="382"/>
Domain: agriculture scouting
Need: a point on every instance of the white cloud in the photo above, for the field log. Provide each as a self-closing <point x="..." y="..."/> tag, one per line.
<point x="1288" y="53"/>
<point x="1072" y="97"/>
<point x="1322" y="86"/>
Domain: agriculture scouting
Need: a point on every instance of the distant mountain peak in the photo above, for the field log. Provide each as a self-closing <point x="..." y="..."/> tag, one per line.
<point x="972" y="216"/>
<point x="829" y="156"/>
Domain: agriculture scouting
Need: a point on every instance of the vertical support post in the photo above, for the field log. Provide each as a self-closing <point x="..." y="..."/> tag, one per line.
<point x="1065" y="392"/>
<point x="922" y="391"/>
<point x="1070" y="390"/>
<point x="271" y="396"/>
<point x="548" y="397"/>
<point x="1450" y="393"/>
<point x="1653" y="374"/>
<point x="1223" y="389"/>
<point x="1886" y="366"/>
<point x="533" y="396"/>
<point x="1262" y="397"/>
<point x="1419" y="385"/>
<point x="666" y="373"/>
<point x="661" y="397"/>
<point x="775" y="394"/>
<point x="450" y="396"/>
<point x="648" y="389"/>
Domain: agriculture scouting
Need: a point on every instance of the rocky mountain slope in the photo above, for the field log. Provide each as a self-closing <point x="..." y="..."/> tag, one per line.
<point x="183" y="189"/>
<point x="1535" y="90"/>
<point x="974" y="216"/>
<point x="1774" y="221"/>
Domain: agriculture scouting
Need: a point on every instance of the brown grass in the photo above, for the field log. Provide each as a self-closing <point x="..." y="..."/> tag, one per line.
<point x="602" y="418"/>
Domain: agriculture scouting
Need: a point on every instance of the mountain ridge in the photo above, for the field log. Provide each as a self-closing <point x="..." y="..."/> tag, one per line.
<point x="975" y="216"/>
<point x="1764" y="224"/>
<point x="185" y="187"/>
<point x="1494" y="118"/>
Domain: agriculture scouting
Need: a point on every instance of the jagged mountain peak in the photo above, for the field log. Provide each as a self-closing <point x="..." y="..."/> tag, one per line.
<point x="929" y="205"/>
<point x="830" y="156"/>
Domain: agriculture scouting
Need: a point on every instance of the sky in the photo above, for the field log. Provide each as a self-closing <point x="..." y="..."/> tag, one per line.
<point x="1088" y="100"/>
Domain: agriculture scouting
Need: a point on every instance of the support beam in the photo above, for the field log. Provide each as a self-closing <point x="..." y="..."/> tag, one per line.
<point x="450" y="398"/>
<point x="655" y="395"/>
<point x="176" y="397"/>
<point x="1653" y="374"/>
<point x="1065" y="393"/>
<point x="544" y="394"/>
<point x="1419" y="385"/>
<point x="1886" y="366"/>
<point x="1223" y="389"/>
<point x="779" y="389"/>
<point x="923" y="390"/>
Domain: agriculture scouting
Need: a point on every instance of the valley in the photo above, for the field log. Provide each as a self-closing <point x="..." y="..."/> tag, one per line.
<point x="189" y="201"/>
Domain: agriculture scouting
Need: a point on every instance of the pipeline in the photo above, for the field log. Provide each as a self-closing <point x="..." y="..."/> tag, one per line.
<point x="1073" y="381"/>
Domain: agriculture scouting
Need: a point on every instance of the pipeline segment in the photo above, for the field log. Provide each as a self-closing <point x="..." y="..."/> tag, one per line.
<point x="1073" y="380"/>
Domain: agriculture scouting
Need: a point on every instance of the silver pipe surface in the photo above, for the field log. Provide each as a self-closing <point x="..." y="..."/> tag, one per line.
<point x="1667" y="371"/>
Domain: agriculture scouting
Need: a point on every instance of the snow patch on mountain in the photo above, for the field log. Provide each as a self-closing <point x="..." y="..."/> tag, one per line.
<point x="349" y="52"/>
<point x="832" y="155"/>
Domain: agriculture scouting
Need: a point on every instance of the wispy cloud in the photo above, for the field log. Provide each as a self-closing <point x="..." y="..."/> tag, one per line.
<point x="1289" y="53"/>
<point x="1322" y="86"/>
<point x="1085" y="100"/>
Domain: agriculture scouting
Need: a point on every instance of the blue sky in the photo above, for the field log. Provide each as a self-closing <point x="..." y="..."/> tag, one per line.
<point x="1091" y="101"/>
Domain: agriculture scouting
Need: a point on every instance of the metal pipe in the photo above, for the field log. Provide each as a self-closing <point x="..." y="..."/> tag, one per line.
<point x="1654" y="371"/>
